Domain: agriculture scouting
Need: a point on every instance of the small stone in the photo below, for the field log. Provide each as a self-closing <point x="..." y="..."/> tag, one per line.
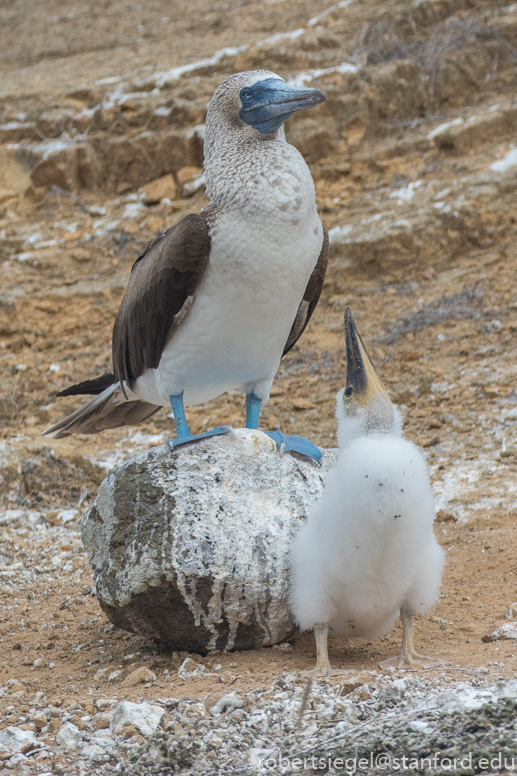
<point x="227" y="702"/>
<point x="361" y="694"/>
<point x="444" y="517"/>
<point x="92" y="751"/>
<point x="186" y="174"/>
<point x="17" y="759"/>
<point x="506" y="631"/>
<point x="139" y="676"/>
<point x="14" y="739"/>
<point x="80" y="723"/>
<point x="227" y="677"/>
<point x="103" y="720"/>
<point x="303" y="404"/>
<point x="69" y="736"/>
<point x="189" y="668"/>
<point x="73" y="236"/>
<point x="80" y="255"/>
<point x="145" y="717"/>
<point x="354" y="681"/>
<point x="161" y="188"/>
<point x="54" y="726"/>
<point x="195" y="711"/>
<point x="39" y="663"/>
<point x="105" y="703"/>
<point x="194" y="185"/>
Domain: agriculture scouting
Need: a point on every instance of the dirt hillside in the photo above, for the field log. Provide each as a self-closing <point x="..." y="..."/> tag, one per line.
<point x="414" y="158"/>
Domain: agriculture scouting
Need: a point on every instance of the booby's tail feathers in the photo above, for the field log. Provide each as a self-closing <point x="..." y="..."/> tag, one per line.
<point x="109" y="409"/>
<point x="95" y="386"/>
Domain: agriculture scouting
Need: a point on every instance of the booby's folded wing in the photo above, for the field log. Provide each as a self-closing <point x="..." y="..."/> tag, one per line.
<point x="159" y="293"/>
<point x="310" y="297"/>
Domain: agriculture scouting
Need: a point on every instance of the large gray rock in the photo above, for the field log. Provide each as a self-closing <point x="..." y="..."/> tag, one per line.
<point x="192" y="547"/>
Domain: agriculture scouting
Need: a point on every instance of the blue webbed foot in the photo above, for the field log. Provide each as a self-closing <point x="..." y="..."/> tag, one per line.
<point x="296" y="444"/>
<point x="182" y="430"/>
<point x="286" y="443"/>
<point x="185" y="439"/>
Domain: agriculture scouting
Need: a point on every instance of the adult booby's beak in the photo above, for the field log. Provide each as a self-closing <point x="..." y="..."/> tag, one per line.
<point x="267" y="104"/>
<point x="362" y="381"/>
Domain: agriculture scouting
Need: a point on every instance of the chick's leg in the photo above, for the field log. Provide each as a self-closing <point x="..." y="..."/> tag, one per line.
<point x="408" y="657"/>
<point x="322" y="667"/>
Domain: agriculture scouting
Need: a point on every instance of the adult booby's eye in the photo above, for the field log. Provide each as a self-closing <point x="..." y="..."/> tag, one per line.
<point x="349" y="392"/>
<point x="246" y="95"/>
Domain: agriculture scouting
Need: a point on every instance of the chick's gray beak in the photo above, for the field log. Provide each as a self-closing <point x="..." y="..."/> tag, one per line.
<point x="362" y="380"/>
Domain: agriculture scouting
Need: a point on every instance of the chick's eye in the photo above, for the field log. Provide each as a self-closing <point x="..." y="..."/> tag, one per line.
<point x="349" y="392"/>
<point x="246" y="95"/>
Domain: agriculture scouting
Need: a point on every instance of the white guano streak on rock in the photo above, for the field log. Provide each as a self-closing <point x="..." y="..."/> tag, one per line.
<point x="441" y="128"/>
<point x="507" y="161"/>
<point x="300" y="79"/>
<point x="316" y="19"/>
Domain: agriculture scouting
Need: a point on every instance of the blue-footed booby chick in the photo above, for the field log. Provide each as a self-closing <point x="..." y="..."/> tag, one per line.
<point x="368" y="551"/>
<point x="216" y="301"/>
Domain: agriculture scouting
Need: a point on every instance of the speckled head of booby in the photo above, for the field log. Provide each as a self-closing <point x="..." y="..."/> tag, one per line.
<point x="364" y="392"/>
<point x="268" y="103"/>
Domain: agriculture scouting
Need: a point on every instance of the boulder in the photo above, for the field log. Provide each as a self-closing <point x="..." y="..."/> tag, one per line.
<point x="192" y="547"/>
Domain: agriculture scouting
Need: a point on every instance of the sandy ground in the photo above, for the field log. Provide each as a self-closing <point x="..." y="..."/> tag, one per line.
<point x="423" y="249"/>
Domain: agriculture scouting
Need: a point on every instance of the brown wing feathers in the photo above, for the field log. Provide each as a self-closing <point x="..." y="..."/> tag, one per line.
<point x="310" y="297"/>
<point x="162" y="280"/>
<point x="94" y="387"/>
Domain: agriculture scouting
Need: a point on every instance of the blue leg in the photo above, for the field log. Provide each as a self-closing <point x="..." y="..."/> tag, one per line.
<point x="252" y="410"/>
<point x="286" y="443"/>
<point x="183" y="435"/>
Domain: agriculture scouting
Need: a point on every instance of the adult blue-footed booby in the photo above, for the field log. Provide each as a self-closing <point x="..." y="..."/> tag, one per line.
<point x="216" y="301"/>
<point x="368" y="549"/>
